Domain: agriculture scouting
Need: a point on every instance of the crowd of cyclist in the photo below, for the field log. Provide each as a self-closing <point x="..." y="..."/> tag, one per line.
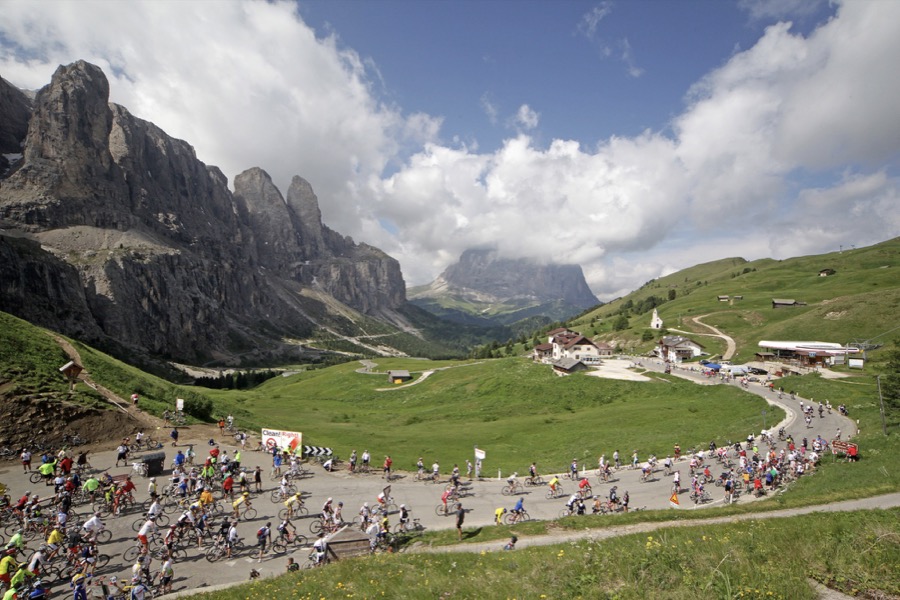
<point x="51" y="543"/>
<point x="209" y="497"/>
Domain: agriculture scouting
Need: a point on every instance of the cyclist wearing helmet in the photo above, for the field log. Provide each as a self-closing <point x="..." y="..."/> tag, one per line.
<point x="404" y="515"/>
<point x="242" y="499"/>
<point x="78" y="583"/>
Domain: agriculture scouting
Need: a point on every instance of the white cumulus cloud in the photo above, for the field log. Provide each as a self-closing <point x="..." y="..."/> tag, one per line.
<point x="791" y="146"/>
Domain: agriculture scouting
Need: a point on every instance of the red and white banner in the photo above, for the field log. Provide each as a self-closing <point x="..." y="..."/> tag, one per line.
<point x="284" y="440"/>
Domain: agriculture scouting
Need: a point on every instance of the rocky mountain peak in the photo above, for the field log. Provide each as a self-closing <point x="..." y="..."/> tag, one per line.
<point x="305" y="204"/>
<point x="156" y="254"/>
<point x="503" y="290"/>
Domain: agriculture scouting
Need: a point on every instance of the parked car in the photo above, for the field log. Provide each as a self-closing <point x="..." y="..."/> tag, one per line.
<point x="757" y="371"/>
<point x="703" y="361"/>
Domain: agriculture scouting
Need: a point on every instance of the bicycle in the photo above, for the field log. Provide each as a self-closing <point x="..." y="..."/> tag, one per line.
<point x="162" y="520"/>
<point x="285" y="540"/>
<point x="512" y="517"/>
<point x="277" y="497"/>
<point x="558" y="493"/>
<point x="248" y="514"/>
<point x="219" y="549"/>
<point x="511" y="489"/>
<point x="533" y="481"/>
<point x="413" y="528"/>
<point x="322" y="525"/>
<point x="444" y="510"/>
<point x="299" y="511"/>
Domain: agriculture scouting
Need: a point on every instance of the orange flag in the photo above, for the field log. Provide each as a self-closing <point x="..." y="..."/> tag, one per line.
<point x="674" y="500"/>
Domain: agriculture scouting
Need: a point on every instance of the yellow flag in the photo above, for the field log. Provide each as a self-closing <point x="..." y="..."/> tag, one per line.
<point x="674" y="499"/>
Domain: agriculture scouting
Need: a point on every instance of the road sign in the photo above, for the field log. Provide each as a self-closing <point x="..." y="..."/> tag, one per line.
<point x="479" y="454"/>
<point x="316" y="451"/>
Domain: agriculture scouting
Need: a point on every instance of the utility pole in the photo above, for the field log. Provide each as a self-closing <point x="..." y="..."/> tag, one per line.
<point x="880" y="397"/>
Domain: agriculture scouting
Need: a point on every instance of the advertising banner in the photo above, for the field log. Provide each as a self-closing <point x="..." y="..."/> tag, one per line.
<point x="286" y="440"/>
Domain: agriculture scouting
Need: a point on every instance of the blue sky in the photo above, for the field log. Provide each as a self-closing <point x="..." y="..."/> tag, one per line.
<point x="632" y="138"/>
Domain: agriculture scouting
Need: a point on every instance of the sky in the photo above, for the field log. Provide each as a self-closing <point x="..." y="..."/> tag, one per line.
<point x="633" y="138"/>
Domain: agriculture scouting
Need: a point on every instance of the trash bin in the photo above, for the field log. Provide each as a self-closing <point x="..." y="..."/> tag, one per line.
<point x="156" y="462"/>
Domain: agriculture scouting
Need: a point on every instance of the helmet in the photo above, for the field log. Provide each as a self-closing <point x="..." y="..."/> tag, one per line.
<point x="366" y="504"/>
<point x="340" y="503"/>
<point x="245" y="494"/>
<point x="153" y="479"/>
<point x="402" y="506"/>
<point x="113" y="579"/>
<point x="27" y="493"/>
<point x="78" y="579"/>
<point x="329" y="500"/>
<point x="43" y="548"/>
<point x="173" y="526"/>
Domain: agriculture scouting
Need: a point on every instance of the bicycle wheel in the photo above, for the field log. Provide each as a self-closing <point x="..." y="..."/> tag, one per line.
<point x="131" y="554"/>
<point x="35" y="477"/>
<point x="506" y="490"/>
<point x="214" y="553"/>
<point x="316" y="526"/>
<point x="249" y="514"/>
<point x="105" y="536"/>
<point x="279" y="546"/>
<point x="440" y="510"/>
<point x="275" y="496"/>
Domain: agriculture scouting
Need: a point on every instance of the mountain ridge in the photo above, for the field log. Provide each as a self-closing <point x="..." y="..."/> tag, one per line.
<point x="483" y="287"/>
<point x="116" y="232"/>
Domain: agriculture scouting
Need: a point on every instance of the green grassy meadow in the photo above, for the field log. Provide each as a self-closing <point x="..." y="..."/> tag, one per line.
<point x="854" y="552"/>
<point x="515" y="410"/>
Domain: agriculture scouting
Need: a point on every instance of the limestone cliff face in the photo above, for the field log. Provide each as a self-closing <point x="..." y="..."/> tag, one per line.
<point x="486" y="286"/>
<point x="139" y="243"/>
<point x="15" y="106"/>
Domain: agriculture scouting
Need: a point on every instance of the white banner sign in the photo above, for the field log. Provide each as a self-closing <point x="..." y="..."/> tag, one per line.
<point x="479" y="454"/>
<point x="179" y="404"/>
<point x="286" y="440"/>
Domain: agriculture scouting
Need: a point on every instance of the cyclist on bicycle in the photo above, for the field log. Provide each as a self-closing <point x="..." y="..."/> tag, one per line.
<point x="584" y="486"/>
<point x="404" y="516"/>
<point x="338" y="517"/>
<point x="364" y="516"/>
<point x="519" y="509"/>
<point x="320" y="548"/>
<point x="532" y="470"/>
<point x="511" y="480"/>
<point x="498" y="515"/>
<point x="327" y="509"/>
<point x="286" y="531"/>
<point x="243" y="499"/>
<point x="570" y="503"/>
<point x="445" y="496"/>
<point x="554" y="483"/>
<point x="291" y="502"/>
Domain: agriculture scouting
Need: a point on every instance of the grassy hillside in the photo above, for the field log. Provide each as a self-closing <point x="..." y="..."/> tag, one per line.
<point x="515" y="410"/>
<point x="859" y="302"/>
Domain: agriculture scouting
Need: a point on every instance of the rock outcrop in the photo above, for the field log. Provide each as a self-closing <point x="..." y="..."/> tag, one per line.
<point x="485" y="286"/>
<point x="116" y="232"/>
